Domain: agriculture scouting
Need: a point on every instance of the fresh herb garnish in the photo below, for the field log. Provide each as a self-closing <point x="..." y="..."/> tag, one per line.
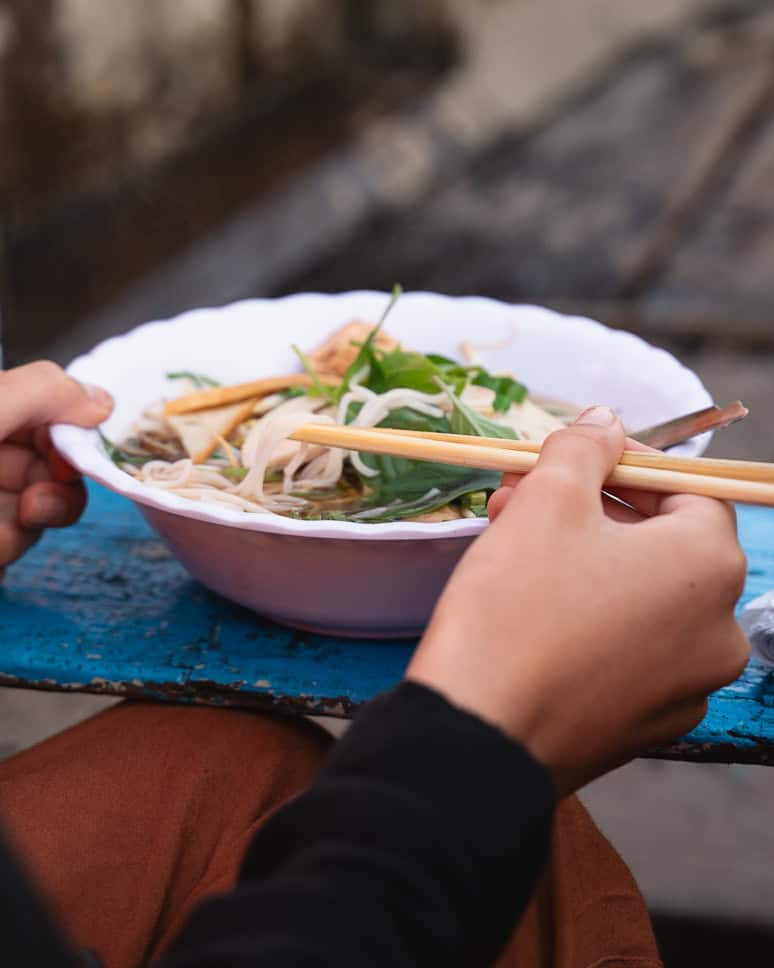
<point x="452" y="373"/>
<point x="238" y="474"/>
<point x="199" y="380"/>
<point x="405" y="488"/>
<point x="235" y="474"/>
<point x="318" y="388"/>
<point x="120" y="456"/>
<point x="381" y="371"/>
<point x="366" y="360"/>
<point x="318" y="515"/>
<point x="400" y="368"/>
<point x="475" y="502"/>
<point x="465" y="420"/>
<point x="425" y="487"/>
<point x="506" y="390"/>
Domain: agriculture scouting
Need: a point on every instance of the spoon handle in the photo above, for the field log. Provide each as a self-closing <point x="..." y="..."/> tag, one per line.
<point x="674" y="432"/>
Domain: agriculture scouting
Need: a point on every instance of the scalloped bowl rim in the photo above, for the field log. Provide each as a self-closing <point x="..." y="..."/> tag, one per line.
<point x="84" y="450"/>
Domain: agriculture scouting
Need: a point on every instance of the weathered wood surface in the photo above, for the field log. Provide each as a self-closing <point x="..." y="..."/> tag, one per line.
<point x="103" y="608"/>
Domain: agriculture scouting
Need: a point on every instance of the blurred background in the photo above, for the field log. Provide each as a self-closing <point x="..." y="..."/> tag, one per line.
<point x="605" y="157"/>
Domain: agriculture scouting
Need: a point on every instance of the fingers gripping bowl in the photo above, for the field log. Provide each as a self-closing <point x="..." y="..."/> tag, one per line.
<point x="347" y="576"/>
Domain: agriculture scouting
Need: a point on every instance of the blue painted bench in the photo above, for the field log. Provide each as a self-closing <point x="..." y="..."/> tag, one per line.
<point x="104" y="608"/>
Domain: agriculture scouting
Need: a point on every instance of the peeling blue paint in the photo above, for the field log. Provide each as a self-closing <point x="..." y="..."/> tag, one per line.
<point x="103" y="607"/>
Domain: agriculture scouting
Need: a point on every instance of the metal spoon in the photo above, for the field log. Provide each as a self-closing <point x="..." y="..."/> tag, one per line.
<point x="673" y="432"/>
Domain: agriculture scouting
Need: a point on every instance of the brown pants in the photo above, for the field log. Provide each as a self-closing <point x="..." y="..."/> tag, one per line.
<point x="130" y="818"/>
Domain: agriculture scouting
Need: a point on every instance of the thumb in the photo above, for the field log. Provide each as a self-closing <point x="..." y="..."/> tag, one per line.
<point x="42" y="393"/>
<point x="581" y="457"/>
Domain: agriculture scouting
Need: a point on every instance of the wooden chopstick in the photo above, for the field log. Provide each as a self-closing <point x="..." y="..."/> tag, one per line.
<point x="743" y="470"/>
<point x="220" y="396"/>
<point x="509" y="460"/>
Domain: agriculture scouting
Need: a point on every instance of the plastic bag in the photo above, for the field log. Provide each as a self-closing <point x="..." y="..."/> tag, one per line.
<point x="757" y="621"/>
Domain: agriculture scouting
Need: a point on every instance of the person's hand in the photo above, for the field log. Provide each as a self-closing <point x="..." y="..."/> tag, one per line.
<point x="38" y="488"/>
<point x="587" y="630"/>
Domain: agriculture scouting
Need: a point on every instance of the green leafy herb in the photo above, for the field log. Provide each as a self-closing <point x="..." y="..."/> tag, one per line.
<point x="199" y="380"/>
<point x="423" y="488"/>
<point x="465" y="420"/>
<point x="397" y="292"/>
<point x="401" y="368"/>
<point x="318" y="388"/>
<point x="404" y="418"/>
<point x="394" y="468"/>
<point x="319" y="515"/>
<point x="445" y="362"/>
<point x="449" y="480"/>
<point x="366" y="358"/>
<point x="120" y="456"/>
<point x="366" y="367"/>
<point x="475" y="502"/>
<point x="405" y="488"/>
<point x="506" y="390"/>
<point x="238" y="474"/>
<point x="235" y="474"/>
<point x="452" y="373"/>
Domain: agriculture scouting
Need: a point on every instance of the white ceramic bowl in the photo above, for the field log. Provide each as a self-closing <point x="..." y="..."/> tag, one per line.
<point x="353" y="579"/>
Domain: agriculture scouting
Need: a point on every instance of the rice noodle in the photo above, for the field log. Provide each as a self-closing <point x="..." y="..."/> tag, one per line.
<point x="219" y="497"/>
<point x="260" y="445"/>
<point x="356" y="393"/>
<point x="377" y="407"/>
<point x="301" y="458"/>
<point x="304" y="405"/>
<point x="325" y="470"/>
<point x="380" y="406"/>
<point x="181" y="473"/>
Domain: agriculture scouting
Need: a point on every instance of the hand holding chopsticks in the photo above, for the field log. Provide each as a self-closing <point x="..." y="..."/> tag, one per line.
<point x="583" y="631"/>
<point x="749" y="482"/>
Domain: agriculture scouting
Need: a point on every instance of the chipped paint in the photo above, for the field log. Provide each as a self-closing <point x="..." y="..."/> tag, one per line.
<point x="150" y="550"/>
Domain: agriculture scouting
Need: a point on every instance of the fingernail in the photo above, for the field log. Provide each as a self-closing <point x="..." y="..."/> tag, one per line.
<point x="98" y="396"/>
<point x="597" y="416"/>
<point x="48" y="510"/>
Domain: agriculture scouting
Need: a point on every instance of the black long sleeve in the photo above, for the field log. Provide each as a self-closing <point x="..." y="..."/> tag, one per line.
<point x="419" y="843"/>
<point x="28" y="935"/>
